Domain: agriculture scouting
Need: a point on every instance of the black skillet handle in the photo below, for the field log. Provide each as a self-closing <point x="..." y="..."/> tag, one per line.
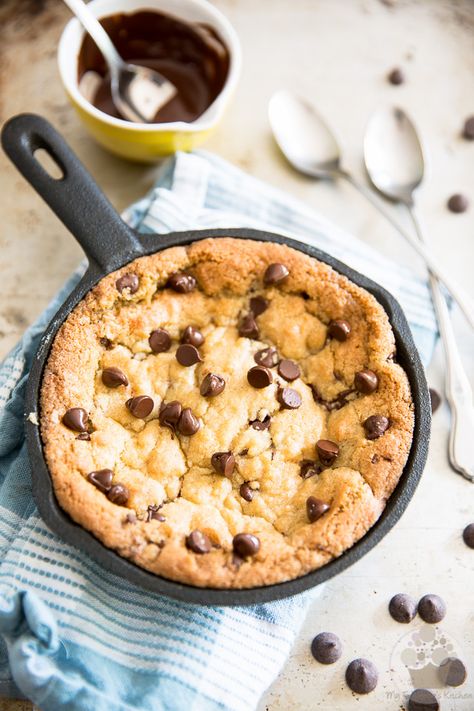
<point x="75" y="197"/>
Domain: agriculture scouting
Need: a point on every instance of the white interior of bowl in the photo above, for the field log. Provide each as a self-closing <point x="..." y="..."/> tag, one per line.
<point x="189" y="10"/>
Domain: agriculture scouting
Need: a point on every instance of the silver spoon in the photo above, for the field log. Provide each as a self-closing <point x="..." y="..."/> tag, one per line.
<point x="395" y="164"/>
<point x="310" y="147"/>
<point x="137" y="92"/>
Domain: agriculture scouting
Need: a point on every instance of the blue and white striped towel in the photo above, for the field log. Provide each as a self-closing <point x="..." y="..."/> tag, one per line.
<point x="77" y="638"/>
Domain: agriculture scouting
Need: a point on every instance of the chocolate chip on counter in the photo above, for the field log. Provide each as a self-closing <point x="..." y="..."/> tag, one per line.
<point x="315" y="508"/>
<point x="340" y="330"/>
<point x="268" y="357"/>
<point x="468" y="535"/>
<point x="288" y="398"/>
<point x="188" y="355"/>
<point x="188" y="423"/>
<point x="435" y="398"/>
<point x="114" y="377"/>
<point x="153" y="514"/>
<point x="212" y="385"/>
<point x="402" y="608"/>
<point x="422" y="700"/>
<point x="308" y="468"/>
<point x="468" y="128"/>
<point x="362" y="676"/>
<point x="275" y="273"/>
<point x="327" y="451"/>
<point x="246" y="492"/>
<point x="84" y="437"/>
<point x="102" y="479"/>
<point x="76" y="419"/>
<point x="118" y="494"/>
<point x="326" y="648"/>
<point x="258" y="305"/>
<point x="160" y="340"/>
<point x="223" y="463"/>
<point x="452" y="672"/>
<point x="169" y="414"/>
<point x="192" y="336"/>
<point x="458" y="203"/>
<point x="366" y="382"/>
<point x="431" y="609"/>
<point x="198" y="542"/>
<point x="245" y="544"/>
<point x="128" y="281"/>
<point x="140" y="406"/>
<point x="106" y="343"/>
<point x="181" y="282"/>
<point x="261" y="425"/>
<point x="288" y="369"/>
<point x="375" y="426"/>
<point x="259" y="377"/>
<point x="248" y="327"/>
<point x="396" y="77"/>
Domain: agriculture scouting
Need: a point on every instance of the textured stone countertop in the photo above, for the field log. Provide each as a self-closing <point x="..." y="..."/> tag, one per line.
<point x="337" y="53"/>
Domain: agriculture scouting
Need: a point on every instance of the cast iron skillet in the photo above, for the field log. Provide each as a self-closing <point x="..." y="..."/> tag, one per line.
<point x="109" y="244"/>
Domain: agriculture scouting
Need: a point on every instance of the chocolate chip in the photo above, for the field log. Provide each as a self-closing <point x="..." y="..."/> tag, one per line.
<point x="288" y="369"/>
<point x="198" y="542"/>
<point x="246" y="492"/>
<point x="153" y="514"/>
<point x="340" y="330"/>
<point x="267" y="357"/>
<point x="160" y="340"/>
<point x="106" y="343"/>
<point x="375" y="426"/>
<point x="327" y="451"/>
<point x="245" y="544"/>
<point x="118" y="494"/>
<point x="422" y="700"/>
<point x="396" y="77"/>
<point x="188" y="423"/>
<point x="244" y="452"/>
<point x="275" y="273"/>
<point x="84" y="436"/>
<point x="114" y="377"/>
<point x="258" y="304"/>
<point x="188" y="355"/>
<point x="76" y="419"/>
<point x="261" y="424"/>
<point x="223" y="463"/>
<point x="212" y="385"/>
<point x="181" y="282"/>
<point x="458" y="203"/>
<point x="362" y="676"/>
<point x="468" y="535"/>
<point x="140" y="406"/>
<point x="288" y="398"/>
<point x="127" y="281"/>
<point x="308" y="468"/>
<point x="435" y="398"/>
<point x="259" y="377"/>
<point x="468" y="129"/>
<point x="452" y="672"/>
<point x="402" y="608"/>
<point x="169" y="414"/>
<point x="431" y="609"/>
<point x="326" y="648"/>
<point x="102" y="479"/>
<point x="248" y="327"/>
<point x="366" y="382"/>
<point x="315" y="508"/>
<point x="131" y="517"/>
<point x="192" y="336"/>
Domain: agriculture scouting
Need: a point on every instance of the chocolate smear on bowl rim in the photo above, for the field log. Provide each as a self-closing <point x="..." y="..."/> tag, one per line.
<point x="258" y="305"/>
<point x="182" y="282"/>
<point x="245" y="545"/>
<point x="198" y="542"/>
<point x="223" y="463"/>
<point x="288" y="398"/>
<point x="275" y="273"/>
<point x="268" y="357"/>
<point x="114" y="377"/>
<point x="259" y="377"/>
<point x="188" y="355"/>
<point x="212" y="385"/>
<point x="192" y="336"/>
<point x="288" y="370"/>
<point x="248" y="327"/>
<point x="129" y="282"/>
<point x="159" y="340"/>
<point x="76" y="419"/>
<point x="315" y="508"/>
<point x="140" y="406"/>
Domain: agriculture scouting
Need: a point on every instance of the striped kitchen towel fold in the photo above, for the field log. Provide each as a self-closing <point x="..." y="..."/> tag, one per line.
<point x="77" y="638"/>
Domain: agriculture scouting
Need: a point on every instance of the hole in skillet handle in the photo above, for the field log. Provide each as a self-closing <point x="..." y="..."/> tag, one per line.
<point x="49" y="163"/>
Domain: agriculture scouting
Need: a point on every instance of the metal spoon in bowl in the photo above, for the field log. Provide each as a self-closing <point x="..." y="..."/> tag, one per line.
<point x="310" y="147"/>
<point x="395" y="164"/>
<point x="137" y="92"/>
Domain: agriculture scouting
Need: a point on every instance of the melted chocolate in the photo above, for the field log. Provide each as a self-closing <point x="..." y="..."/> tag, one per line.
<point x="192" y="57"/>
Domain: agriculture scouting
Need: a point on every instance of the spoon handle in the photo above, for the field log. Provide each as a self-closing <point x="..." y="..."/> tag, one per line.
<point x="96" y="31"/>
<point x="463" y="300"/>
<point x="457" y="385"/>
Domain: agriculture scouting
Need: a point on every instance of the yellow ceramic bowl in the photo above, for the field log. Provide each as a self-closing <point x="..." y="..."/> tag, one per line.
<point x="144" y="141"/>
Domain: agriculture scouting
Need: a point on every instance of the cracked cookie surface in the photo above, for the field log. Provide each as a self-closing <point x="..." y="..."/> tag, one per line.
<point x="339" y="435"/>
